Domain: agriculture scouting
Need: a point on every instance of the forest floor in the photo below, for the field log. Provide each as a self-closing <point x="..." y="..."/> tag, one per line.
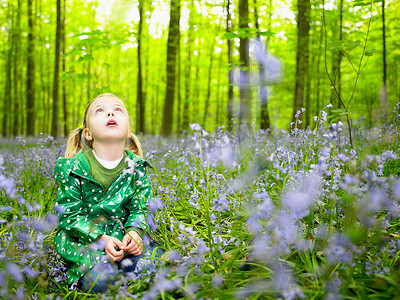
<point x="241" y="214"/>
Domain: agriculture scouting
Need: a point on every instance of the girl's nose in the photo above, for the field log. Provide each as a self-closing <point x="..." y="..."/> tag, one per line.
<point x="110" y="114"/>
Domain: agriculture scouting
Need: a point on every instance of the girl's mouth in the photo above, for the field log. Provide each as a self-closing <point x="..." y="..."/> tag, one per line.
<point x="111" y="123"/>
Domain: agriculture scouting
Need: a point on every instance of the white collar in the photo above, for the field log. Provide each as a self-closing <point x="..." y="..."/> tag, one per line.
<point x="108" y="164"/>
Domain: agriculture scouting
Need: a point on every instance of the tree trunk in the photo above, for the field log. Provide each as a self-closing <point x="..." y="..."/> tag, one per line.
<point x="173" y="38"/>
<point x="263" y="91"/>
<point x="245" y="96"/>
<point x="217" y="98"/>
<point x="209" y="82"/>
<point x="196" y="92"/>
<point x="64" y="88"/>
<point x="30" y="74"/>
<point x="178" y="86"/>
<point x="230" y="80"/>
<point x="318" y="66"/>
<point x="9" y="48"/>
<point x="188" y="69"/>
<point x="301" y="58"/>
<point x="340" y="54"/>
<point x="16" y="128"/>
<point x="55" y="121"/>
<point x="384" y="97"/>
<point x="139" y="99"/>
<point x="308" y="102"/>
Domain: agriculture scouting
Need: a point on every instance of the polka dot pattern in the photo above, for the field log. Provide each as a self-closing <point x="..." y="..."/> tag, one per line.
<point x="87" y="211"/>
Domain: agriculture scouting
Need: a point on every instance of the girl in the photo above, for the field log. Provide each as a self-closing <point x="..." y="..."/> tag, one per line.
<point x="100" y="204"/>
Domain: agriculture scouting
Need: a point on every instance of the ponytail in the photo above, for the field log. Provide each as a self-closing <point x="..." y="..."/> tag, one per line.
<point x="134" y="145"/>
<point x="74" y="143"/>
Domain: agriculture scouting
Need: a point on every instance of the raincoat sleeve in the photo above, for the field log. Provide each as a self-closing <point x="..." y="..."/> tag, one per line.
<point x="137" y="205"/>
<point x="72" y="214"/>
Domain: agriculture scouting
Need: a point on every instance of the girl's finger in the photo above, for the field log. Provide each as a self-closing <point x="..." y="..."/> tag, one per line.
<point x="137" y="252"/>
<point x="129" y="247"/>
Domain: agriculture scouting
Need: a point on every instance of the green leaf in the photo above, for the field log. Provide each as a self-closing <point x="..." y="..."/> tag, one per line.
<point x="364" y="2"/>
<point x="67" y="75"/>
<point x="229" y="35"/>
<point x="369" y="52"/>
<point x="86" y="57"/>
<point x="81" y="77"/>
<point x="267" y="33"/>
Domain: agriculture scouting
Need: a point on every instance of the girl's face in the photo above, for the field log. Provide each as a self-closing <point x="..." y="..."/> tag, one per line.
<point x="107" y="120"/>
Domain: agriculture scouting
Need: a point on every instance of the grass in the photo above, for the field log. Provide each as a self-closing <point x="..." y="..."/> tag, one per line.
<point x="248" y="214"/>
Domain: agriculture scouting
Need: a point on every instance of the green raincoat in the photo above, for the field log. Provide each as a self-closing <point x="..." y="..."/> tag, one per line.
<point x="86" y="211"/>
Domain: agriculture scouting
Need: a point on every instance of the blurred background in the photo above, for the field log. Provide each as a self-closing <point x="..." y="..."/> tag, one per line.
<point x="209" y="62"/>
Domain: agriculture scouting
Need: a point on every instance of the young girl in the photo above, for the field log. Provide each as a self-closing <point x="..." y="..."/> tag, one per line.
<point x="102" y="206"/>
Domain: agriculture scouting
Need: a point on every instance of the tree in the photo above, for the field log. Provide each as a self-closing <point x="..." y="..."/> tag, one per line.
<point x="384" y="86"/>
<point x="245" y="96"/>
<point x="140" y="106"/>
<point x="64" y="90"/>
<point x="16" y="78"/>
<point x="230" y="74"/>
<point x="9" y="48"/>
<point x="263" y="92"/>
<point x="55" y="123"/>
<point x="188" y="69"/>
<point x="30" y="73"/>
<point x="301" y="56"/>
<point x="209" y="82"/>
<point x="173" y="39"/>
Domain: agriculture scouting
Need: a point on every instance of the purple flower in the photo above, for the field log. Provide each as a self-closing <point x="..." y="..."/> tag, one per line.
<point x="20" y="293"/>
<point x="195" y="126"/>
<point x="217" y="281"/>
<point x="15" y="272"/>
<point x="339" y="250"/>
<point x="151" y="222"/>
<point x="8" y="185"/>
<point x="155" y="204"/>
<point x="396" y="189"/>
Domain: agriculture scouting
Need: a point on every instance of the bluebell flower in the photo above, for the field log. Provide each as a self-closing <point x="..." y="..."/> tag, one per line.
<point x="396" y="189"/>
<point x="339" y="250"/>
<point x="195" y="126"/>
<point x="151" y="222"/>
<point x="155" y="204"/>
<point x="15" y="272"/>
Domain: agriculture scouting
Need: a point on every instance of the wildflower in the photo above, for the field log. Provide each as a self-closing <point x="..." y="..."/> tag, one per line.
<point x="131" y="166"/>
<point x="20" y="293"/>
<point x="396" y="189"/>
<point x="151" y="222"/>
<point x="155" y="204"/>
<point x="8" y="185"/>
<point x="15" y="272"/>
<point x="217" y="281"/>
<point x="339" y="250"/>
<point x="195" y="126"/>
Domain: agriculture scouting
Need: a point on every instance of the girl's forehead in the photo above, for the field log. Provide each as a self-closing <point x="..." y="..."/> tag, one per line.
<point x="107" y="100"/>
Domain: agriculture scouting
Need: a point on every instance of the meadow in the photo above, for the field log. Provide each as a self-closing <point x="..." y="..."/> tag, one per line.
<point x="245" y="214"/>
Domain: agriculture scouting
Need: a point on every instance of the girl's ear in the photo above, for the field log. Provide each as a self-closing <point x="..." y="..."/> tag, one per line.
<point x="87" y="134"/>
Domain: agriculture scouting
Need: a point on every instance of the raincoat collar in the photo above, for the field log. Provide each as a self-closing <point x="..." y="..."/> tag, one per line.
<point x="79" y="165"/>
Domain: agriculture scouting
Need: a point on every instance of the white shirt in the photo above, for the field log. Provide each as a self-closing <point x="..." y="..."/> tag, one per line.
<point x="108" y="164"/>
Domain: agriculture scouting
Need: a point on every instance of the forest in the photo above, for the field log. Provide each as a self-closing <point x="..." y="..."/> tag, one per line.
<point x="196" y="62"/>
<point x="271" y="132"/>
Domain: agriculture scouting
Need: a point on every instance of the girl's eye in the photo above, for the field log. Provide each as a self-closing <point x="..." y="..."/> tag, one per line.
<point x="118" y="109"/>
<point x="98" y="110"/>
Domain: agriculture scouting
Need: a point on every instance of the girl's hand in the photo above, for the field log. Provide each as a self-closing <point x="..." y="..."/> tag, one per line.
<point x="132" y="242"/>
<point x="111" y="245"/>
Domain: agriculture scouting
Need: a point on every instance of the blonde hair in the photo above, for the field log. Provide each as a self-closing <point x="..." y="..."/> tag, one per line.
<point x="74" y="142"/>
